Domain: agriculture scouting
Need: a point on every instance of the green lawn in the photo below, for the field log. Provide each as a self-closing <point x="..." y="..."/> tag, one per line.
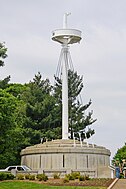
<point x="30" y="185"/>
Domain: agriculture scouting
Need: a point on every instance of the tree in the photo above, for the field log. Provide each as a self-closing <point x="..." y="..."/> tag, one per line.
<point x="78" y="120"/>
<point x="3" y="54"/>
<point x="120" y="156"/>
<point x="4" y="82"/>
<point x="41" y="119"/>
<point x="11" y="136"/>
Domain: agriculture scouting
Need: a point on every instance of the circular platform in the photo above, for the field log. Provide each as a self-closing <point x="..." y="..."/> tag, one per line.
<point x="65" y="155"/>
<point x="66" y="36"/>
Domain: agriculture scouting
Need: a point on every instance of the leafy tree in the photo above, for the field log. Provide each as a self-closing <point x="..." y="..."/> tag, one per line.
<point x="120" y="156"/>
<point x="3" y="55"/>
<point x="7" y="107"/>
<point x="11" y="135"/>
<point x="4" y="82"/>
<point x="17" y="90"/>
<point x="78" y="120"/>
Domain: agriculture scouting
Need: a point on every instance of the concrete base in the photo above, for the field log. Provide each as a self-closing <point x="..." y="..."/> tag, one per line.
<point x="66" y="156"/>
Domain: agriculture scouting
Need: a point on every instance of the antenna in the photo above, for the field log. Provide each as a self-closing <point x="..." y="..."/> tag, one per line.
<point x="65" y="20"/>
<point x="65" y="37"/>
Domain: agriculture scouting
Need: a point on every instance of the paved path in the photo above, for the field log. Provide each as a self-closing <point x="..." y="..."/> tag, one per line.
<point x="120" y="184"/>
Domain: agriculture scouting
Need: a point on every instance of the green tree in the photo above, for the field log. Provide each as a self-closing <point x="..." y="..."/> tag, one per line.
<point x="3" y="55"/>
<point x="41" y="119"/>
<point x="4" y="82"/>
<point x="120" y="156"/>
<point x="78" y="119"/>
<point x="15" y="89"/>
<point x="11" y="136"/>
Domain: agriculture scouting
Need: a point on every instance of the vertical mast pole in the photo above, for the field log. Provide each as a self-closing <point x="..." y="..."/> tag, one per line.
<point x="65" y="92"/>
<point x="65" y="83"/>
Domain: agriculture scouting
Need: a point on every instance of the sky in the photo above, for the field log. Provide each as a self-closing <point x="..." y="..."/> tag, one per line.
<point x="26" y="28"/>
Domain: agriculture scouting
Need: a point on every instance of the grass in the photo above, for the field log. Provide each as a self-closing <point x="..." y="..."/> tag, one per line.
<point x="31" y="185"/>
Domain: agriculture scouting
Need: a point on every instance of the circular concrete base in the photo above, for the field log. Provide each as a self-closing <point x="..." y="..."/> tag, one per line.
<point x="65" y="156"/>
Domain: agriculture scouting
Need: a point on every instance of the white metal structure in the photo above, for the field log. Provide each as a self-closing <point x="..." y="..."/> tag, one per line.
<point x="65" y="36"/>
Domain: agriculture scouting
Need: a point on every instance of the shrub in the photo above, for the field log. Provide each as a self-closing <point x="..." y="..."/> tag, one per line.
<point x="31" y="177"/>
<point x="56" y="175"/>
<point x="75" y="175"/>
<point x="65" y="180"/>
<point x="20" y="177"/>
<point x="3" y="176"/>
<point x="70" y="176"/>
<point x="10" y="176"/>
<point x="6" y="176"/>
<point x="41" y="177"/>
<point x="87" y="177"/>
<point x="27" y="176"/>
<point x="81" y="178"/>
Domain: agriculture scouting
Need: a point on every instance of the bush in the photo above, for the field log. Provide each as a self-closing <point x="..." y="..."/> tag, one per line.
<point x="65" y="180"/>
<point x="10" y="176"/>
<point x="56" y="175"/>
<point x="87" y="177"/>
<point x="27" y="176"/>
<point x="70" y="176"/>
<point x="6" y="176"/>
<point x="75" y="175"/>
<point x="31" y="177"/>
<point x="41" y="177"/>
<point x="3" y="176"/>
<point x="83" y="177"/>
<point x="20" y="176"/>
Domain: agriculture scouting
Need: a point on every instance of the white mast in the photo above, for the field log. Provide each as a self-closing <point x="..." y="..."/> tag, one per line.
<point x="65" y="36"/>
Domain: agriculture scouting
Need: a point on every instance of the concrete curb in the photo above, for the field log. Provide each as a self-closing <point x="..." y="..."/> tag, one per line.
<point x="113" y="183"/>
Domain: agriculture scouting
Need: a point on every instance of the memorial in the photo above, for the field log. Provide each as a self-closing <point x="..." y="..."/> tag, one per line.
<point x="65" y="155"/>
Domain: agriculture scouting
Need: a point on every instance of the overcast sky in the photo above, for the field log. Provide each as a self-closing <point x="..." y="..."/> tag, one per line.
<point x="26" y="27"/>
